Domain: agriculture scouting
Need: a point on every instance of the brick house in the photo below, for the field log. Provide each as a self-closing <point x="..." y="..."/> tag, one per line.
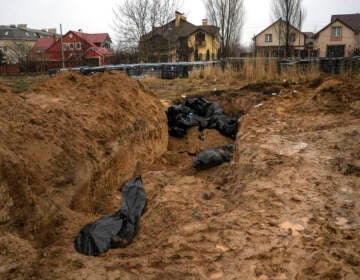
<point x="79" y="49"/>
<point x="340" y="38"/>
<point x="180" y="40"/>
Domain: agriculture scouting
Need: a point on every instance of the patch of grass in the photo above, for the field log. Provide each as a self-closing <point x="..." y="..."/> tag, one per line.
<point x="21" y="83"/>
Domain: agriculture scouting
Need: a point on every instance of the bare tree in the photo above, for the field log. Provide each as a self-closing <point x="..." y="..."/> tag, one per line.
<point x="18" y="52"/>
<point x="228" y="15"/>
<point x="292" y="13"/>
<point x="135" y="18"/>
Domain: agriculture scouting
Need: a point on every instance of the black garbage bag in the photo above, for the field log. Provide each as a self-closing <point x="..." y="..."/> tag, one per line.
<point x="118" y="229"/>
<point x="177" y="131"/>
<point x="174" y="112"/>
<point x="203" y="107"/>
<point x="199" y="112"/>
<point x="180" y="118"/>
<point x="212" y="157"/>
<point x="224" y="125"/>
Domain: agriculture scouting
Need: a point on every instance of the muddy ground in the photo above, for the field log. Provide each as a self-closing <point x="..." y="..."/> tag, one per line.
<point x="285" y="207"/>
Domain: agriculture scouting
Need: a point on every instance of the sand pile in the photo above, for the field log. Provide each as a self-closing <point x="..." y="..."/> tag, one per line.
<point x="68" y="143"/>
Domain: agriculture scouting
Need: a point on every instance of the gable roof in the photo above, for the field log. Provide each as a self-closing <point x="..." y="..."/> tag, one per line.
<point x="101" y="51"/>
<point x="41" y="33"/>
<point x="352" y="20"/>
<point x="185" y="28"/>
<point x="95" y="38"/>
<point x="275" y="22"/>
<point x="336" y="20"/>
<point x="14" y="33"/>
<point x="44" y="43"/>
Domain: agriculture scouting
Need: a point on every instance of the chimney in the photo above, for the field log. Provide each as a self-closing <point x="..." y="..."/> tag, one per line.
<point x="177" y="18"/>
<point x="22" y="26"/>
<point x="52" y="30"/>
<point x="204" y="22"/>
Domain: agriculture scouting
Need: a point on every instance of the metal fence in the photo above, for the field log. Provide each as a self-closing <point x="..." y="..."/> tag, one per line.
<point x="181" y="69"/>
<point x="160" y="70"/>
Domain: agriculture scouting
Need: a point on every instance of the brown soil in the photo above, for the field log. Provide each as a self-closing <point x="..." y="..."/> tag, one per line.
<point x="4" y="88"/>
<point x="285" y="207"/>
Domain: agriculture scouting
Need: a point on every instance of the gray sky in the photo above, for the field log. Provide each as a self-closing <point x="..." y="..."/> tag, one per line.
<point x="96" y="16"/>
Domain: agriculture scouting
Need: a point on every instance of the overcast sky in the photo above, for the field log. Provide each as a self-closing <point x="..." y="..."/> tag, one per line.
<point x="97" y="16"/>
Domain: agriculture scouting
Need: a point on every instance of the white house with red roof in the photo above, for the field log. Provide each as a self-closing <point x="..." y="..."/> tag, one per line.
<point x="79" y="49"/>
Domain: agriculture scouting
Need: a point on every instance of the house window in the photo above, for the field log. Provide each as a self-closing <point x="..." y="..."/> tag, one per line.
<point x="336" y="33"/>
<point x="71" y="46"/>
<point x="200" y="39"/>
<point x="78" y="45"/>
<point x="106" y="45"/>
<point x="292" y="37"/>
<point x="64" y="46"/>
<point x="268" y="37"/>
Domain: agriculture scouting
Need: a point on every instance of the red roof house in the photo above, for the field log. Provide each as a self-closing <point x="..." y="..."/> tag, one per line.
<point x="79" y="49"/>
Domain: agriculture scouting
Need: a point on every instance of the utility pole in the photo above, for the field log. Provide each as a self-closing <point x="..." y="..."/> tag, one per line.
<point x="62" y="47"/>
<point x="300" y="23"/>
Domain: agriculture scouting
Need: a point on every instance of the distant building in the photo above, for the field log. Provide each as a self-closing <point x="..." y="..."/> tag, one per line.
<point x="79" y="49"/>
<point x="180" y="40"/>
<point x="17" y="41"/>
<point x="271" y="41"/>
<point x="340" y="38"/>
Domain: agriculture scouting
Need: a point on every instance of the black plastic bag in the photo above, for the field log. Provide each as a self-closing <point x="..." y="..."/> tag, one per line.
<point x="224" y="125"/>
<point x="212" y="157"/>
<point x="203" y="107"/>
<point x="118" y="229"/>
<point x="199" y="112"/>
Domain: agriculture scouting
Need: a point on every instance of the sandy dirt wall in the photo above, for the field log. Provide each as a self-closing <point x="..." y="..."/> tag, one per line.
<point x="69" y="143"/>
<point x="296" y="185"/>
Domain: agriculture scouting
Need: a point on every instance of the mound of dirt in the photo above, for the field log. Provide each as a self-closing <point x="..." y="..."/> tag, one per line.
<point x="68" y="143"/>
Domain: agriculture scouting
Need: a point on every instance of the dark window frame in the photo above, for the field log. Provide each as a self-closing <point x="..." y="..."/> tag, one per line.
<point x="336" y="33"/>
<point x="268" y="38"/>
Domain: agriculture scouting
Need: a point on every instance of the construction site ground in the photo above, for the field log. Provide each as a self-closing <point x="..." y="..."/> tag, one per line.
<point x="287" y="205"/>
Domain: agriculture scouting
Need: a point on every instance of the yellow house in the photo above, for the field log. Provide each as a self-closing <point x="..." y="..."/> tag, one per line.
<point x="180" y="40"/>
<point x="271" y="41"/>
<point x="340" y="38"/>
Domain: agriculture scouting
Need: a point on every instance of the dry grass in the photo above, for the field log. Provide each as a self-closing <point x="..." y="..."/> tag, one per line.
<point x="20" y="83"/>
<point x="256" y="70"/>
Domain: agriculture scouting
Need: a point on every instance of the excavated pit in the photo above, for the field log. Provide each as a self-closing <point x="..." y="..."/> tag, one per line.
<point x="285" y="207"/>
